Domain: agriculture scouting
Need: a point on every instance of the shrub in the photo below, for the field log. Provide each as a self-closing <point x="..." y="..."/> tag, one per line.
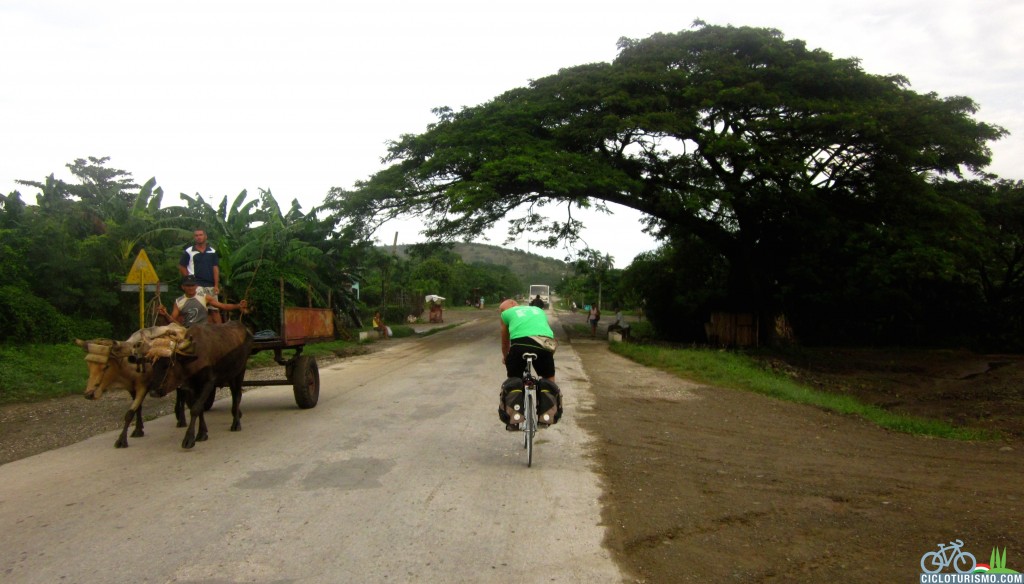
<point x="26" y="318"/>
<point x="93" y="328"/>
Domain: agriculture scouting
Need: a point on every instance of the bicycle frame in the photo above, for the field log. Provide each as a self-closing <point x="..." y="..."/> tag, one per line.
<point x="529" y="424"/>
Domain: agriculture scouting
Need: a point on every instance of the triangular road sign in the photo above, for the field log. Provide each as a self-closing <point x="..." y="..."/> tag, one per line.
<point x="142" y="271"/>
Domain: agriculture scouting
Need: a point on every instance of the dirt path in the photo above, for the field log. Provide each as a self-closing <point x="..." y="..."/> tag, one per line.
<point x="713" y="485"/>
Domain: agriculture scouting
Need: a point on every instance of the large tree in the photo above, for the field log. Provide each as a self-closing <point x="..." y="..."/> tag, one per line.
<point x="754" y="144"/>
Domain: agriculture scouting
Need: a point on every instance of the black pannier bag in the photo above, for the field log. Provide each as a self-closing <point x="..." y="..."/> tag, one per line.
<point x="549" y="402"/>
<point x="511" y="396"/>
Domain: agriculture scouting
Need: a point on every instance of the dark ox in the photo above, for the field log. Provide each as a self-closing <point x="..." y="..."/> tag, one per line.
<point x="110" y="367"/>
<point x="211" y="356"/>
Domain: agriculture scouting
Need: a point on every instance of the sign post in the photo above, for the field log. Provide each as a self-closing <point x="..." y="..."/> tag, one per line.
<point x="142" y="273"/>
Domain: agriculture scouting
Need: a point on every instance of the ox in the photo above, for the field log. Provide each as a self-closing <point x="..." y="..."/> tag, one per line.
<point x="210" y="356"/>
<point x="112" y="365"/>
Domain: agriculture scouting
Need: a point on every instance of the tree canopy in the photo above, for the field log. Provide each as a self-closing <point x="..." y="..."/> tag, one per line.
<point x="760" y="147"/>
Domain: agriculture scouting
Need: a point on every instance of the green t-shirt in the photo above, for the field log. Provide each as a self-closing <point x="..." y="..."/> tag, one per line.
<point x="526" y="321"/>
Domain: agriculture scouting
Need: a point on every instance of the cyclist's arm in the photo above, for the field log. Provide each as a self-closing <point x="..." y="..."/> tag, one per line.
<point x="506" y="341"/>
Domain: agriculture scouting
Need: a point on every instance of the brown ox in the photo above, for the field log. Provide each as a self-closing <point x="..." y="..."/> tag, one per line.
<point x="112" y="365"/>
<point x="211" y="356"/>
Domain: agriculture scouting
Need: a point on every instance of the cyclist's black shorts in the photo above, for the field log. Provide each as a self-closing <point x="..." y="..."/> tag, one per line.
<point x="544" y="364"/>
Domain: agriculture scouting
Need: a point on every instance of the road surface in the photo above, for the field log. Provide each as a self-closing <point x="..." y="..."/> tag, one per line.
<point x="402" y="473"/>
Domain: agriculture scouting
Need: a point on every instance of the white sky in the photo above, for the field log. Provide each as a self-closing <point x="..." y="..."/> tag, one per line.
<point x="214" y="97"/>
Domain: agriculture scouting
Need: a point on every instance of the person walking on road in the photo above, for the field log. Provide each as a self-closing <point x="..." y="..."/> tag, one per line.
<point x="593" y="317"/>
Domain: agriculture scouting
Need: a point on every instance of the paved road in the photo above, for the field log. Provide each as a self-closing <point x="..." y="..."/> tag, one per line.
<point x="402" y="473"/>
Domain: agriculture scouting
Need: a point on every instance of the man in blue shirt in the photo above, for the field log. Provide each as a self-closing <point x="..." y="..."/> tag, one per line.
<point x="201" y="260"/>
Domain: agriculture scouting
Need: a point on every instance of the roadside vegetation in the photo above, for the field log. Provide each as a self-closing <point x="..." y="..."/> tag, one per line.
<point x="40" y="371"/>
<point x="732" y="370"/>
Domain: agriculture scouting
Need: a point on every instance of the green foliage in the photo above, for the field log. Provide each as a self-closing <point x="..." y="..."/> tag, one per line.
<point x="735" y="371"/>
<point x="392" y="314"/>
<point x="35" y="372"/>
<point x="74" y="248"/>
<point x="91" y="328"/>
<point x="402" y="331"/>
<point x="681" y="284"/>
<point x="24" y="318"/>
<point x="642" y="332"/>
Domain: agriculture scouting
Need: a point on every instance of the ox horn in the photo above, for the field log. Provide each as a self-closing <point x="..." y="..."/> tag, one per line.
<point x="96" y="346"/>
<point x="185" y="347"/>
<point x="121" y="349"/>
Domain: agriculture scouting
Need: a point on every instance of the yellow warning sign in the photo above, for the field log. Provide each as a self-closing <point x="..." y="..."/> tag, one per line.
<point x="142" y="271"/>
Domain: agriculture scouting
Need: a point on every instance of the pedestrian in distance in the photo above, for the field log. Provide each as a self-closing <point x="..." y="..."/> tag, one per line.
<point x="592" y="318"/>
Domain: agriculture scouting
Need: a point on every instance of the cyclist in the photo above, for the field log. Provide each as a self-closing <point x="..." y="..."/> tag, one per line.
<point x="525" y="329"/>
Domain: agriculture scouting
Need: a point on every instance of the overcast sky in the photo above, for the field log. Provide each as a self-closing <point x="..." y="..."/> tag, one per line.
<point x="214" y="97"/>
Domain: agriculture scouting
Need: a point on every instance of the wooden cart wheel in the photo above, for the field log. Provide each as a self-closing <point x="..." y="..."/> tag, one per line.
<point x="305" y="378"/>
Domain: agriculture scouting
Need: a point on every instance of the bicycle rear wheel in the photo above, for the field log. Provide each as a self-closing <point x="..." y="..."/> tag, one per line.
<point x="530" y="423"/>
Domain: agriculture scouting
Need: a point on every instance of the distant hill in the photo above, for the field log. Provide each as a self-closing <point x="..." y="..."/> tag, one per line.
<point x="528" y="267"/>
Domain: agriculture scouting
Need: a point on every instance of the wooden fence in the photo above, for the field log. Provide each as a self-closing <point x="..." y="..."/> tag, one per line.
<point x="727" y="329"/>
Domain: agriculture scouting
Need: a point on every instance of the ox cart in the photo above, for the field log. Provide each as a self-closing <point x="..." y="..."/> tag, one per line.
<point x="299" y="326"/>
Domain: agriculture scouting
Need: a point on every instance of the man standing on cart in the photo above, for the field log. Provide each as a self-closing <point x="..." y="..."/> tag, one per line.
<point x="201" y="260"/>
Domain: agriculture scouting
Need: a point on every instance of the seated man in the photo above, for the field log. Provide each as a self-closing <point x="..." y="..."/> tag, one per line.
<point x="379" y="326"/>
<point x="191" y="308"/>
<point x="620" y="325"/>
<point x="525" y="329"/>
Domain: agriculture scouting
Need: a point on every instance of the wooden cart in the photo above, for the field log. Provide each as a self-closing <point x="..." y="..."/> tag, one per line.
<point x="299" y="326"/>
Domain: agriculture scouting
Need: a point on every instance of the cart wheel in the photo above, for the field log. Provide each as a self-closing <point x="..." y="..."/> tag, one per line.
<point x="305" y="380"/>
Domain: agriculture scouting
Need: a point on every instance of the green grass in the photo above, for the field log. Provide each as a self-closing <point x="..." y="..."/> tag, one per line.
<point x="735" y="371"/>
<point x="30" y="373"/>
<point x="37" y="372"/>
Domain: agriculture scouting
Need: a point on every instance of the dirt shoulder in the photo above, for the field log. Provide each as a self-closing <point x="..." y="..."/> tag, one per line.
<point x="710" y="485"/>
